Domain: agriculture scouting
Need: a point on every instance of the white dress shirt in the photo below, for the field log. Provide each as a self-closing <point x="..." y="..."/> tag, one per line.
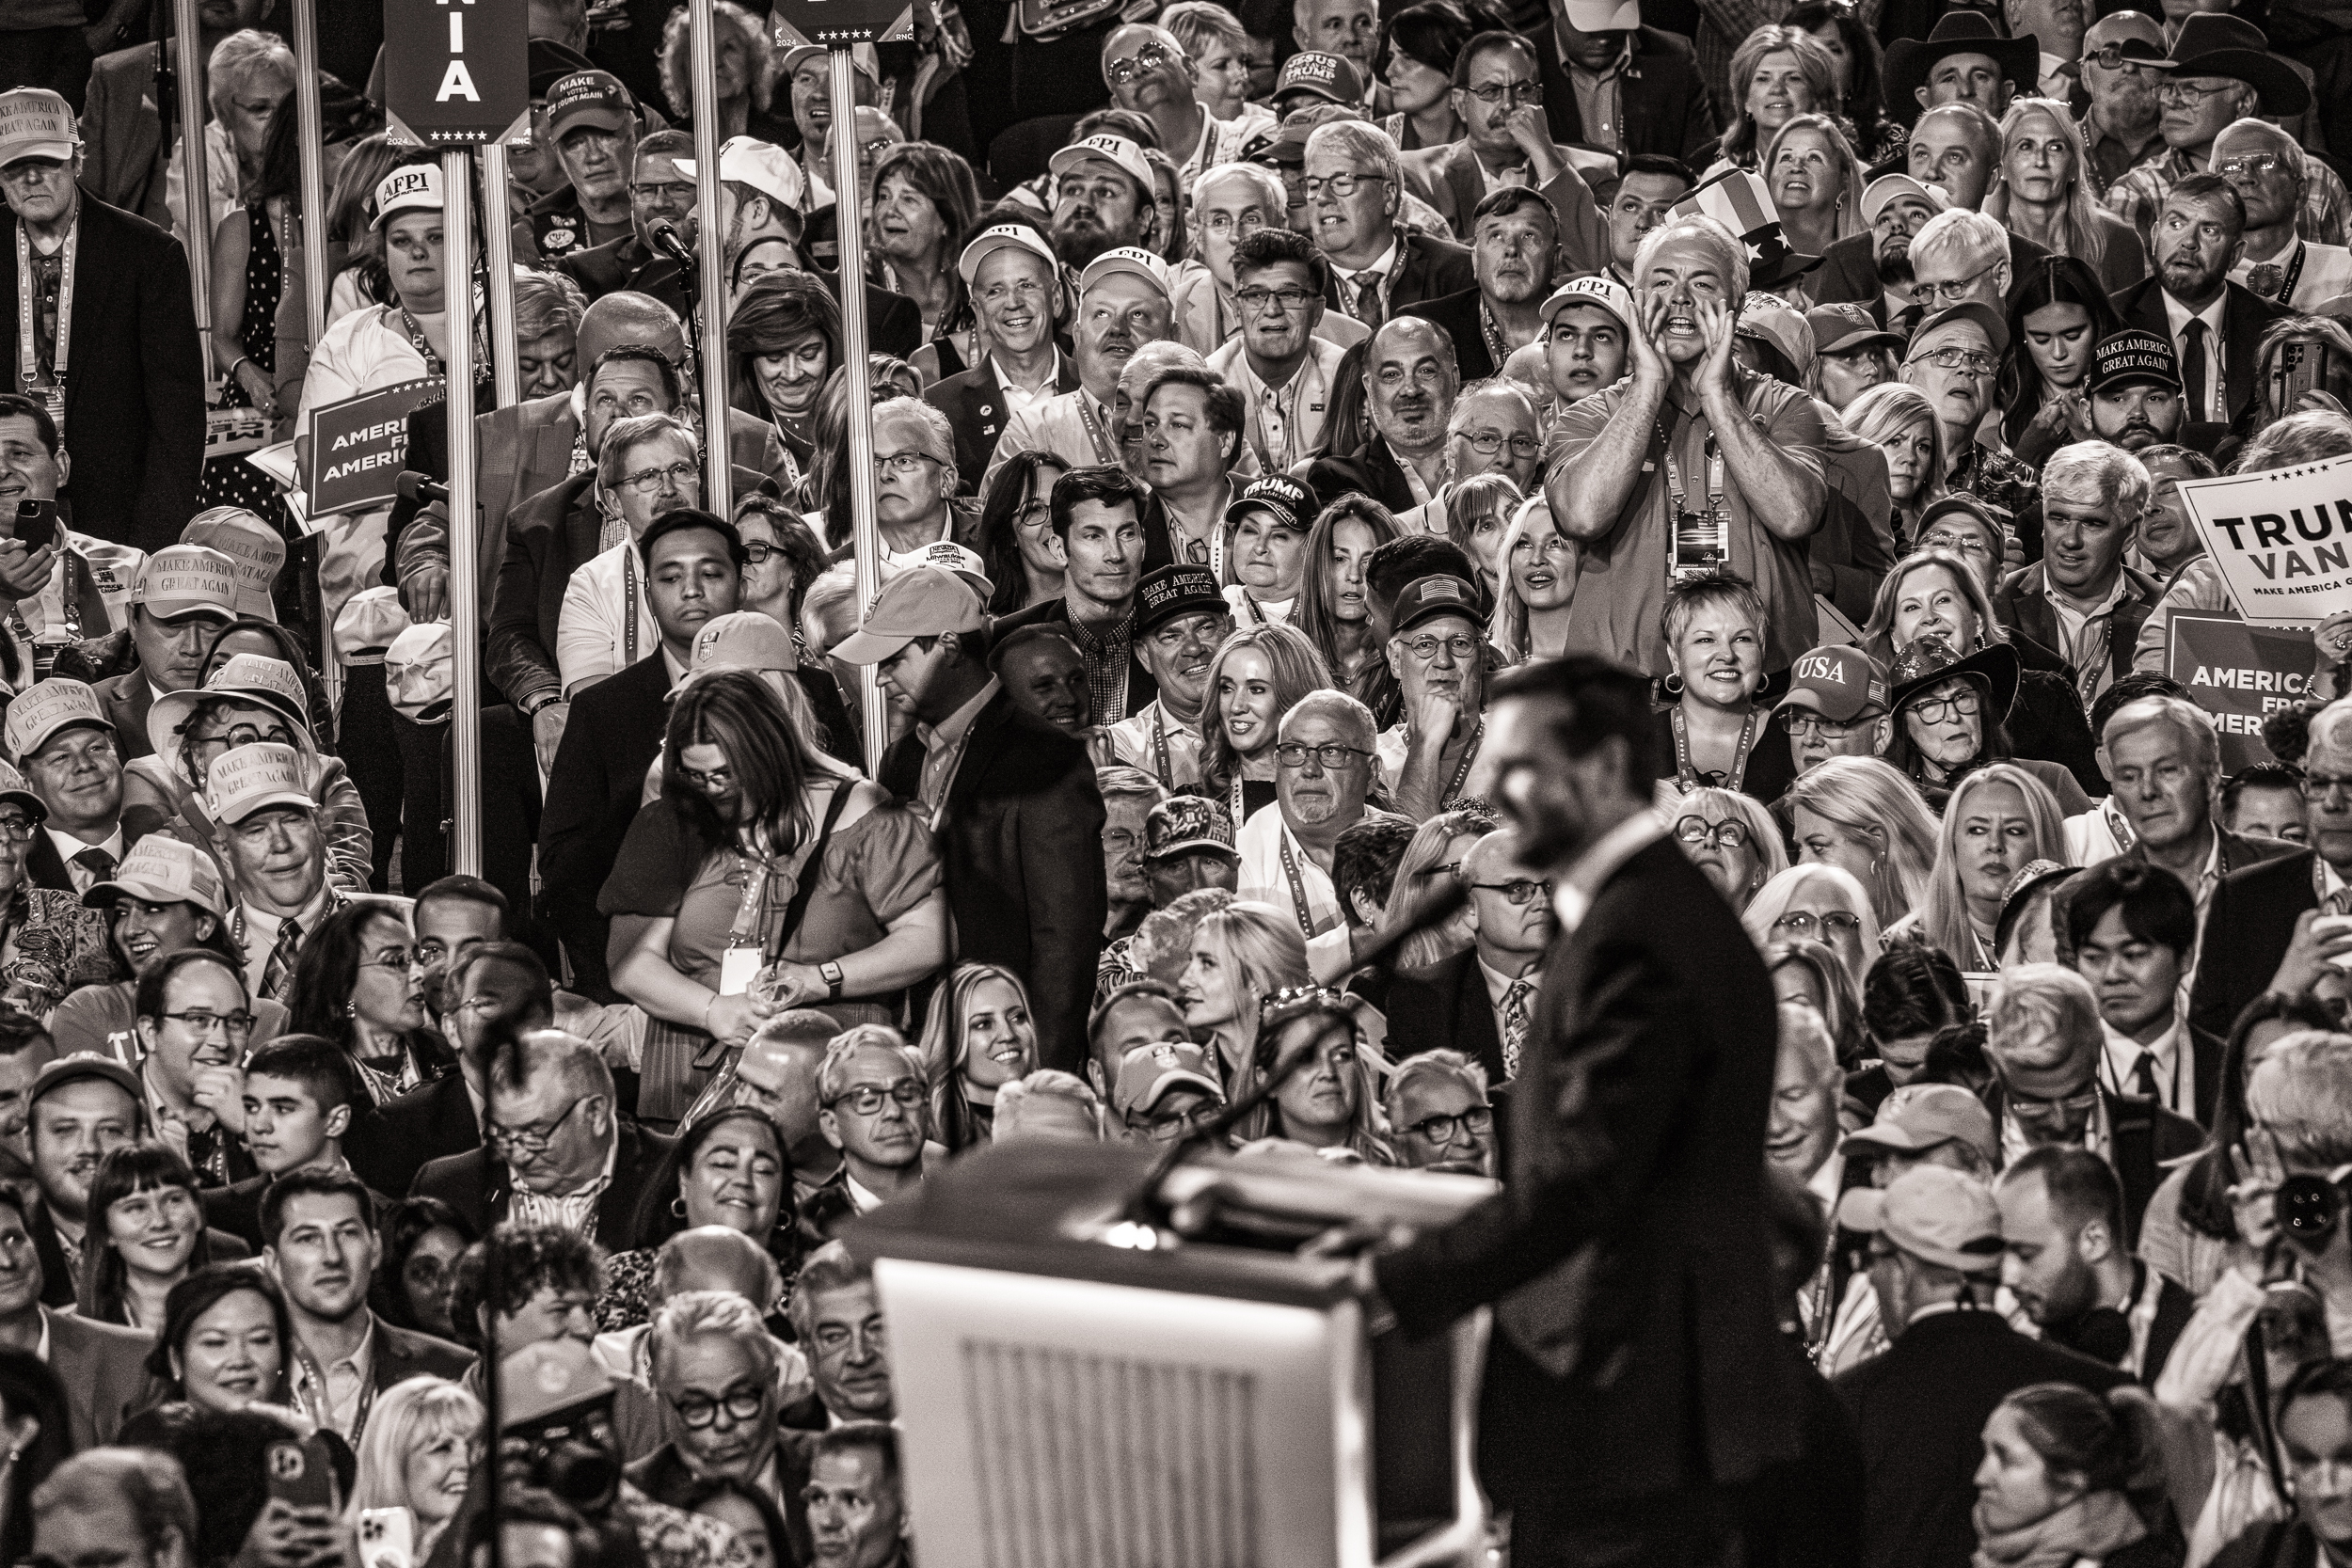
<point x="2176" y="316"/>
<point x="68" y="846"/>
<point x="2176" y="1087"/>
<point x="258" y="932"/>
<point x="2326" y="272"/>
<point x="1382" y="272"/>
<point x="1139" y="740"/>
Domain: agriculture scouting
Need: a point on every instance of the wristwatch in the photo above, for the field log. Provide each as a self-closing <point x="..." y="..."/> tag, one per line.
<point x="831" y="972"/>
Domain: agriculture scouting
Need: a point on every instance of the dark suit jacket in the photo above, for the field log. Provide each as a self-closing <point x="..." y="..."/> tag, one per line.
<point x="2143" y="1136"/>
<point x="1143" y="691"/>
<point x="122" y="130"/>
<point x="603" y="269"/>
<point x="1445" y="1006"/>
<point x="2243" y="320"/>
<point x="2258" y="908"/>
<point x="402" y="1353"/>
<point x="1634" y="1346"/>
<point x="389" y="1144"/>
<point x="976" y="408"/>
<point x="2023" y="603"/>
<point x="1458" y="315"/>
<point x="1920" y="1410"/>
<point x="134" y="383"/>
<point x="662" y="1475"/>
<point x="894" y="323"/>
<point x="45" y="867"/>
<point x="1662" y="103"/>
<point x="1849" y="271"/>
<point x="614" y="732"/>
<point x="1427" y="267"/>
<point x="476" y="1185"/>
<point x="1373" y="470"/>
<point x="103" y="1368"/>
<point x="1023" y="844"/>
<point x="127" y="698"/>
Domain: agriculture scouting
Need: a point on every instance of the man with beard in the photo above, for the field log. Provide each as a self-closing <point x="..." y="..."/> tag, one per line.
<point x="2122" y="126"/>
<point x="2213" y="325"/>
<point x="2265" y="166"/>
<point x="1124" y="303"/>
<point x="1279" y="361"/>
<point x="2135" y="388"/>
<point x="1355" y="191"/>
<point x="1180" y="618"/>
<point x="2079" y="599"/>
<point x="2063" y="1258"/>
<point x="1514" y="239"/>
<point x="592" y="124"/>
<point x="1506" y="140"/>
<point x="1102" y="200"/>
<point x="1410" y="381"/>
<point x="1230" y="204"/>
<point x="1149" y="74"/>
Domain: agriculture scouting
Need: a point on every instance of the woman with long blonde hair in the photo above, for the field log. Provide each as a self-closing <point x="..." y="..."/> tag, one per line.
<point x="417" y="1452"/>
<point x="2001" y="819"/>
<point x="978" y="1037"/>
<point x="1816" y="181"/>
<point x="1241" y="955"/>
<point x="1535" y="567"/>
<point x="1901" y="423"/>
<point x="1434" y="850"/>
<point x="2038" y="194"/>
<point x="1862" y="814"/>
<point x="1477" y="514"/>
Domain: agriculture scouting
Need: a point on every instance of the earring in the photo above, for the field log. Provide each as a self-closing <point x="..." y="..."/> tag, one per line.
<point x="678" y="1206"/>
<point x="351" y="1009"/>
<point x="1672" y="685"/>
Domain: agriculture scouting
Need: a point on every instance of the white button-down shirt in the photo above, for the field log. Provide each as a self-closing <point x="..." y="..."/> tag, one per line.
<point x="2176" y="1088"/>
<point x="1139" y="741"/>
<point x="1265" y="877"/>
<point x="2176" y="316"/>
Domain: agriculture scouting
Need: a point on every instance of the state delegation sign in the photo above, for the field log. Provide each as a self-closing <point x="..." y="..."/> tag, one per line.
<point x="360" y="445"/>
<point x="2282" y="539"/>
<point x="2239" y="674"/>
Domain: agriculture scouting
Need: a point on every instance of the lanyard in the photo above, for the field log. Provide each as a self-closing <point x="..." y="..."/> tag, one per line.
<point x="1688" y="778"/>
<point x="753" y="905"/>
<point x="416" y="335"/>
<point x="1257" y="616"/>
<point x="1159" y="746"/>
<point x="28" y="320"/>
<point x="1705" y="539"/>
<point x="322" y="1399"/>
<point x="628" y="606"/>
<point x="1237" y="813"/>
<point x="1469" y="754"/>
<point x="1105" y="448"/>
<point x="1299" y="884"/>
<point x="1497" y="350"/>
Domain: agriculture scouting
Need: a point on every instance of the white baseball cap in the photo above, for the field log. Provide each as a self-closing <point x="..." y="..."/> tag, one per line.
<point x="1118" y="151"/>
<point x="44" y="707"/>
<point x="163" y="870"/>
<point x="1604" y="16"/>
<point x="1887" y="187"/>
<point x="249" y="778"/>
<point x="1004" y="236"/>
<point x="1597" y="290"/>
<point x="412" y="185"/>
<point x="1129" y="259"/>
<point x="763" y="165"/>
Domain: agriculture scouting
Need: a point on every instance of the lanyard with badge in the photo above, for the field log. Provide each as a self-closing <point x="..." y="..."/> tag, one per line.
<point x="28" y="323"/>
<point x="1461" y="769"/>
<point x="1105" y="448"/>
<point x="1696" y="542"/>
<point x="1159" y="747"/>
<point x="1688" y="778"/>
<point x="745" y="955"/>
<point x="323" y="1397"/>
<point x="1298" y="886"/>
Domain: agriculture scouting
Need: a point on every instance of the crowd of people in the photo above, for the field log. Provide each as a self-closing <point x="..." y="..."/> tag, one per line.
<point x="1272" y="408"/>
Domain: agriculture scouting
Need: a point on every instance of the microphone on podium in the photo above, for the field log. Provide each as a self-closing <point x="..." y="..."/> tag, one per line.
<point x="414" y="486"/>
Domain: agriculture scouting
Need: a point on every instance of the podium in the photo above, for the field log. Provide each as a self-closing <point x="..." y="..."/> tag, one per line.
<point x="1078" y="1391"/>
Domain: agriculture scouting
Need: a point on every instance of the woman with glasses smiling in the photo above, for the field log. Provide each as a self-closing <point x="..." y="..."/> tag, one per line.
<point x="358" y="984"/>
<point x="1018" y="548"/>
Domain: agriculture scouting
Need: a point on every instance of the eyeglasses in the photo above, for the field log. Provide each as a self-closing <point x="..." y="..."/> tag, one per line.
<point x="717" y="781"/>
<point x="1256" y="300"/>
<point x="1730" y="834"/>
<point x="1488" y="442"/>
<point x="1226" y="223"/>
<point x="532" y="1138"/>
<point x="1461" y="646"/>
<point x="2256" y="164"/>
<point x="1333" y="756"/>
<point x="742" y="1404"/>
<point x="15" y="827"/>
<point x="757" y="551"/>
<point x="670" y="190"/>
<point x="1835" y="922"/>
<point x="1529" y="91"/>
<point x="1802" y="722"/>
<point x="1442" y="1129"/>
<point x="867" y="1099"/>
<point x="1954" y="359"/>
<point x="197" y="1021"/>
<point x="1181" y="1124"/>
<point x="2028" y="1108"/>
<point x="247" y="735"/>
<point x="1339" y="184"/>
<point x="2181" y="95"/>
<point x="1144" y="60"/>
<point x="903" y="462"/>
<point x="1521" y="891"/>
<point x="2321" y="786"/>
<point x="1934" y="710"/>
<point x="678" y="475"/>
<point x="2111" y="57"/>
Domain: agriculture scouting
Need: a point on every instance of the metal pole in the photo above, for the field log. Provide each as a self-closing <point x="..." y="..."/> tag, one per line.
<point x="710" y="329"/>
<point x="465" y="518"/>
<point x="313" y="153"/>
<point x="497" y="250"/>
<point x="866" y="542"/>
<point x="195" y="195"/>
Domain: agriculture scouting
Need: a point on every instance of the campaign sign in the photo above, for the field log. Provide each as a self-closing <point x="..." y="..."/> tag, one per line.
<point x="2239" y="673"/>
<point x="358" y="446"/>
<point x="2282" y="539"/>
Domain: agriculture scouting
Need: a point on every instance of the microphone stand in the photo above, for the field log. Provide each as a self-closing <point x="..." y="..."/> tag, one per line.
<point x="665" y="240"/>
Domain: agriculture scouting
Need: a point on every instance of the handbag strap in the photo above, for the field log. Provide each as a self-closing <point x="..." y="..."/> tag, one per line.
<point x="797" y="910"/>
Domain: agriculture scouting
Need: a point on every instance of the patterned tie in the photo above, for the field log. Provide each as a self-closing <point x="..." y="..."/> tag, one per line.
<point x="1367" y="286"/>
<point x="1515" y="1022"/>
<point x="98" y="863"/>
<point x="278" y="974"/>
<point x="2193" y="367"/>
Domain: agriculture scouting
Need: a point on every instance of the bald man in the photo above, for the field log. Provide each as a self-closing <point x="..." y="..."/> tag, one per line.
<point x="1411" y="378"/>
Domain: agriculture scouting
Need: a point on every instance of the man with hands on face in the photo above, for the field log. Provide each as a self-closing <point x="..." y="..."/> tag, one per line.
<point x="1506" y="138"/>
<point x="1436" y="649"/>
<point x="193" y="1022"/>
<point x="1614" y="491"/>
<point x="1180" y="618"/>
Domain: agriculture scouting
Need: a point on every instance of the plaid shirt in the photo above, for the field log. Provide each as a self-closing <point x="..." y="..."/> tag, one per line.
<point x="2139" y="196"/>
<point x="1108" y="656"/>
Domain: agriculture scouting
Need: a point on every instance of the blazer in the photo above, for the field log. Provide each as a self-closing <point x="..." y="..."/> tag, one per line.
<point x="2243" y="319"/>
<point x="1458" y="315"/>
<point x="123" y="156"/>
<point x="2258" y="908"/>
<point x="103" y="1368"/>
<point x="1446" y="1006"/>
<point x="476" y="1185"/>
<point x="403" y="1353"/>
<point x="387" y="1144"/>
<point x="2023" y="604"/>
<point x="1021" y="838"/>
<point x="1374" y="470"/>
<point x="1662" y="102"/>
<point x="1634" y="1345"/>
<point x="134" y="383"/>
<point x="2143" y="1137"/>
<point x="126" y="698"/>
<point x="1921" y="1411"/>
<point x="976" y="406"/>
<point x="45" y="867"/>
<point x="1850" y="270"/>
<point x="1143" y="691"/>
<point x="1427" y="267"/>
<point x="611" y="737"/>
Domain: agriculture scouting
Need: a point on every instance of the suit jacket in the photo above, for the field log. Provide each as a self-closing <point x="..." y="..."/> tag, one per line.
<point x="45" y="867"/>
<point x="103" y="1368"/>
<point x="1021" y="838"/>
<point x="2243" y="320"/>
<point x="1446" y="1006"/>
<point x="134" y="383"/>
<point x="403" y="1353"/>
<point x="387" y="1144"/>
<point x="122" y="130"/>
<point x="1458" y="315"/>
<point x="662" y="1475"/>
<point x="476" y="1185"/>
<point x="604" y="269"/>
<point x="1373" y="470"/>
<point x="1143" y="691"/>
<point x="2142" y="1137"/>
<point x="2023" y="603"/>
<point x="2257" y="907"/>
<point x="1634" y="1335"/>
<point x="975" y="405"/>
<point x="611" y="737"/>
<point x="1850" y="270"/>
<point x="1427" y="268"/>
<point x="127" y="697"/>
<point x="1662" y="102"/>
<point x="1921" y="1411"/>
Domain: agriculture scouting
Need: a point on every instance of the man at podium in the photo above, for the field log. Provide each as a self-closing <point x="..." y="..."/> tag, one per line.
<point x="1633" y="1382"/>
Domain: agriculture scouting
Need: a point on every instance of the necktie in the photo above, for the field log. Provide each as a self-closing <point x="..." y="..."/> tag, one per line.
<point x="1515" y="1022"/>
<point x="98" y="863"/>
<point x="2144" y="1076"/>
<point x="2193" y="367"/>
<point x="1367" y="286"/>
<point x="278" y="974"/>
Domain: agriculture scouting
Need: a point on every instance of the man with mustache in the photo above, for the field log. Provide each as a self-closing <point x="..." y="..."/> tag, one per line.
<point x="2213" y="325"/>
<point x="2080" y="599"/>
<point x="2122" y="127"/>
<point x="1410" y="381"/>
<point x="1125" y="302"/>
<point x="1514" y="241"/>
<point x="1149" y="72"/>
<point x="1180" y="618"/>
<point x="2134" y="390"/>
<point x="1102" y="200"/>
<point x="1506" y="138"/>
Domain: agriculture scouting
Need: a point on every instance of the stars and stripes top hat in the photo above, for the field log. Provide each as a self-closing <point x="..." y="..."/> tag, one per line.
<point x="1741" y="202"/>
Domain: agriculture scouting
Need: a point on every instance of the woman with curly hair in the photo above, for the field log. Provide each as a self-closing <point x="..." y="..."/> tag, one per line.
<point x="744" y="65"/>
<point x="1776" y="75"/>
<point x="420" y="1240"/>
<point x="925" y="202"/>
<point x="1018" y="548"/>
<point x="354" y="985"/>
<point x="978" y="1037"/>
<point x="784" y="340"/>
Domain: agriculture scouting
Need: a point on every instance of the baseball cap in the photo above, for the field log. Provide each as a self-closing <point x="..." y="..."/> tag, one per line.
<point x="1004" y="236"/>
<point x="1129" y="259"/>
<point x="1286" y="498"/>
<point x="414" y="186"/>
<point x="13" y="788"/>
<point x="252" y="543"/>
<point x="1169" y="591"/>
<point x="81" y="1065"/>
<point x="1844" y="327"/>
<point x="1934" y="1213"/>
<point x="1148" y="1071"/>
<point x="1768" y="318"/>
<point x="1117" y="151"/>
<point x="44" y="708"/>
<point x="1426" y="598"/>
<point x="861" y="55"/>
<point x="2131" y="355"/>
<point x="1331" y="77"/>
<point x="160" y="870"/>
<point x="36" y="123"/>
<point x="1604" y="16"/>
<point x="589" y="98"/>
<point x="1594" y="289"/>
<point x="1184" y="824"/>
<point x="1996" y="329"/>
<point x="1919" y="1116"/>
<point x="743" y="639"/>
<point x="247" y="779"/>
<point x="255" y="678"/>
<point x="1838" y="681"/>
<point x="368" y="623"/>
<point x="1888" y="187"/>
<point x="545" y="1379"/>
<point x="420" y="674"/>
<point x="921" y="601"/>
<point x="187" y="580"/>
<point x="763" y="165"/>
<point x="948" y="556"/>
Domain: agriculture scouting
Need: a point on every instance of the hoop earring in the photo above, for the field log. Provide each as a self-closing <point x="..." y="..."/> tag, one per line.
<point x="678" y="1206"/>
<point x="1671" y="683"/>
